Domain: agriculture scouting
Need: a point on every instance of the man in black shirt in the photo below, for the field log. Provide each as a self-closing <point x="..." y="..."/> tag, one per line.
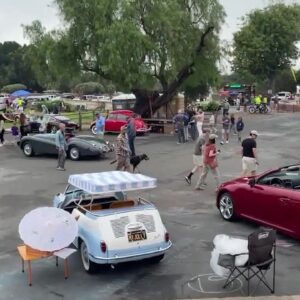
<point x="249" y="160"/>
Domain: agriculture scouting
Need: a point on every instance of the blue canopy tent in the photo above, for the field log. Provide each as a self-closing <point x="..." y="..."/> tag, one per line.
<point x="20" y="93"/>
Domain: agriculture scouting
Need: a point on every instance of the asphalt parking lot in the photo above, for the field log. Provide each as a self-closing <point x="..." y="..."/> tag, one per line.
<point x="190" y="216"/>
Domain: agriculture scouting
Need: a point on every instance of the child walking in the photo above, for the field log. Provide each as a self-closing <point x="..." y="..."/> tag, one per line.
<point x="15" y="131"/>
<point x="239" y="128"/>
<point x="232" y="124"/>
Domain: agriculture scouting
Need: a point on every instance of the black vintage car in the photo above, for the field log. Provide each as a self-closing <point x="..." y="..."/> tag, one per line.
<point x="78" y="147"/>
<point x="50" y="124"/>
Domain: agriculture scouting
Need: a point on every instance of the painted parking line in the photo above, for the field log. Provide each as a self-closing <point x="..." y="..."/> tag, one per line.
<point x="212" y="284"/>
<point x="10" y="174"/>
<point x="284" y="244"/>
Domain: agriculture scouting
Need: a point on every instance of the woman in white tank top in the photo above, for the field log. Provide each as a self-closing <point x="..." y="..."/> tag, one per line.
<point x="199" y="117"/>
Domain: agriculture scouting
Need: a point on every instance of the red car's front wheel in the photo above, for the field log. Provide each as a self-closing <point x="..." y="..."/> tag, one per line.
<point x="226" y="207"/>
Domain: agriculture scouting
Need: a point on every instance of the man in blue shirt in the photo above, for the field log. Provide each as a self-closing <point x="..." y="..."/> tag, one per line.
<point x="100" y="125"/>
<point x="61" y="146"/>
<point x="179" y="120"/>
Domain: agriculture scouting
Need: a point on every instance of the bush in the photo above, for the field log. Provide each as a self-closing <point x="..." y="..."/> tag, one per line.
<point x="62" y="106"/>
<point x="49" y="104"/>
<point x="69" y="107"/>
<point x="89" y="88"/>
<point x="109" y="89"/>
<point x="9" y="89"/>
<point x="210" y="105"/>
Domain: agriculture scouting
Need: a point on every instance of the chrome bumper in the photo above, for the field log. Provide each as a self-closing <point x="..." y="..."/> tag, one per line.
<point x="143" y="130"/>
<point x="126" y="258"/>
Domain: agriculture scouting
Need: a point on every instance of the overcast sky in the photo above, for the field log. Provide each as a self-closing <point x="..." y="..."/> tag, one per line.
<point x="13" y="13"/>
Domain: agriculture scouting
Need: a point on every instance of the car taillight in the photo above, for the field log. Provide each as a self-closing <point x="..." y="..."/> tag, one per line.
<point x="167" y="237"/>
<point x="103" y="247"/>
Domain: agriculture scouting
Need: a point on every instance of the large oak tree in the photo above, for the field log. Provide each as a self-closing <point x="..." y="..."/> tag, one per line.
<point x="137" y="44"/>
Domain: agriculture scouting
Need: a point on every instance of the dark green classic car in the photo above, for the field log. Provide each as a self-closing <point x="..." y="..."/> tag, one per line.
<point x="78" y="146"/>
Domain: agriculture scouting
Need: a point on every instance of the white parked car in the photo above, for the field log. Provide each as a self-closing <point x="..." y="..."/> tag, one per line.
<point x="282" y="96"/>
<point x="113" y="228"/>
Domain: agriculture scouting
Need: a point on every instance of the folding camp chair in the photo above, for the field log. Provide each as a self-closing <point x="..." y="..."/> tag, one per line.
<point x="262" y="254"/>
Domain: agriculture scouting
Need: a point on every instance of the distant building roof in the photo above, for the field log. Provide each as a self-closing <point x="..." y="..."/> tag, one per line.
<point x="124" y="97"/>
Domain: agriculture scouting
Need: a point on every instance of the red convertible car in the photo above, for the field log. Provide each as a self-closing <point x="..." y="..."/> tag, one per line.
<point x="271" y="199"/>
<point x="117" y="118"/>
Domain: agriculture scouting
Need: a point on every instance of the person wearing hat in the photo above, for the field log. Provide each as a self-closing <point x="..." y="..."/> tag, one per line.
<point x="122" y="151"/>
<point x="210" y="163"/>
<point x="249" y="155"/>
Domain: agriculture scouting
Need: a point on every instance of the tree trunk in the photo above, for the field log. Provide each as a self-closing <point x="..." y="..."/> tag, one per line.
<point x="271" y="83"/>
<point x="144" y="102"/>
<point x="142" y="105"/>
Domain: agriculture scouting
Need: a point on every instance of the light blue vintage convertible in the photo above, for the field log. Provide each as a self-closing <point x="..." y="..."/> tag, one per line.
<point x="112" y="227"/>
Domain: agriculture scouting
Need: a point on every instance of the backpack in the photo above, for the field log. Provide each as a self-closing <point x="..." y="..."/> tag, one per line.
<point x="239" y="126"/>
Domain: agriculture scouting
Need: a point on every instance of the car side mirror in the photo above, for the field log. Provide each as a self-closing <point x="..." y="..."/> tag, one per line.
<point x="252" y="182"/>
<point x="58" y="200"/>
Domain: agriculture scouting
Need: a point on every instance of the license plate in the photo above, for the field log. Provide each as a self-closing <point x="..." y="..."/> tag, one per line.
<point x="137" y="235"/>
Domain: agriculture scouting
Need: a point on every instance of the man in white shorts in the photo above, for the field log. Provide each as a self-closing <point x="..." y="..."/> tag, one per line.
<point x="249" y="154"/>
<point x="225" y="129"/>
<point x="198" y="156"/>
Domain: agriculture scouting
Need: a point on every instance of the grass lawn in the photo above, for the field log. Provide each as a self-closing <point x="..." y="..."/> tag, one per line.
<point x="86" y="117"/>
<point x="8" y="125"/>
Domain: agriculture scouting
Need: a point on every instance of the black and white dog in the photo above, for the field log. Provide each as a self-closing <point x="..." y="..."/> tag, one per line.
<point x="135" y="161"/>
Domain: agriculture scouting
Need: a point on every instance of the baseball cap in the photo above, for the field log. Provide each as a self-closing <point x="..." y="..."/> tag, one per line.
<point x="212" y="136"/>
<point x="254" y="132"/>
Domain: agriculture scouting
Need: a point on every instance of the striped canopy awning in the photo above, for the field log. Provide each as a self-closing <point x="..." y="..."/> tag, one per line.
<point x="113" y="181"/>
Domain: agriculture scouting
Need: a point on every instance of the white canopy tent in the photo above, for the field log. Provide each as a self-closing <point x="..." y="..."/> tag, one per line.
<point x="113" y="181"/>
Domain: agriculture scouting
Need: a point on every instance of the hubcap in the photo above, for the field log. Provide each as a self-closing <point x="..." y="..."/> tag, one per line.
<point x="226" y="207"/>
<point x="74" y="153"/>
<point x="94" y="130"/>
<point x="27" y="149"/>
<point x="85" y="256"/>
